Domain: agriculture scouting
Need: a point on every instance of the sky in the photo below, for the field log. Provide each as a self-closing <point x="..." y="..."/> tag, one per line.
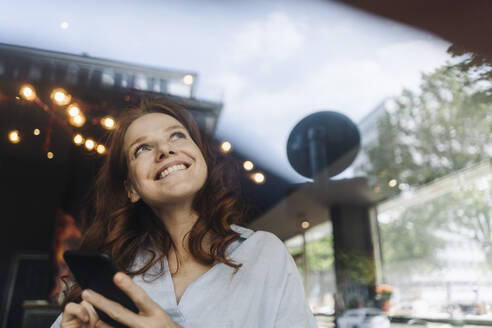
<point x="270" y="63"/>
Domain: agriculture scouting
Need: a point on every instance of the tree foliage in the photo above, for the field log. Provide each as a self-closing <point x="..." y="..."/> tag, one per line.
<point x="424" y="135"/>
<point x="319" y="253"/>
<point x="443" y="127"/>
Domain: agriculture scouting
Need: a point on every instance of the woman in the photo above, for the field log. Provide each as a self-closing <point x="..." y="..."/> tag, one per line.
<point x="167" y="214"/>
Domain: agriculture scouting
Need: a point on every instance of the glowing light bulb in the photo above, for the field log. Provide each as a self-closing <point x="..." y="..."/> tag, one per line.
<point x="64" y="25"/>
<point x="100" y="149"/>
<point x="27" y="92"/>
<point x="14" y="136"/>
<point x="36" y="132"/>
<point x="78" y="139"/>
<point x="90" y="144"/>
<point x="77" y="120"/>
<point x="258" y="178"/>
<point x="50" y="155"/>
<point x="108" y="122"/>
<point x="305" y="224"/>
<point x="60" y="97"/>
<point x="248" y="165"/>
<point x="188" y="79"/>
<point x="226" y="146"/>
<point x="392" y="183"/>
<point x="73" y="110"/>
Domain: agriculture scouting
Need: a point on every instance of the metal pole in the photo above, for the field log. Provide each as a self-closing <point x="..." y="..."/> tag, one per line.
<point x="304" y="263"/>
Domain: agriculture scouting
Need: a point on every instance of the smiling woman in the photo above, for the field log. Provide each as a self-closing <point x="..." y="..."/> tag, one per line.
<point x="167" y="212"/>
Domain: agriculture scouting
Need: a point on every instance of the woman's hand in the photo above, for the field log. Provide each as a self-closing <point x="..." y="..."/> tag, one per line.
<point x="80" y="315"/>
<point x="150" y="314"/>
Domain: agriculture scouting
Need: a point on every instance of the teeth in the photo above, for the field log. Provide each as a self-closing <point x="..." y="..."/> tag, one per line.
<point x="172" y="169"/>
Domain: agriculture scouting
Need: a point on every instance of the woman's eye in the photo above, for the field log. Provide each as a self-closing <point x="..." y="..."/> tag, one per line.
<point x="140" y="149"/>
<point x="177" y="135"/>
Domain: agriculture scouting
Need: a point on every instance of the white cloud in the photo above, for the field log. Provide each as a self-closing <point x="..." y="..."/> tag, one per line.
<point x="278" y="37"/>
<point x="353" y="85"/>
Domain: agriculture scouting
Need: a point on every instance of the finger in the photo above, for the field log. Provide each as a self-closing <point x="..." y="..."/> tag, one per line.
<point x="143" y="302"/>
<point x="93" y="317"/>
<point x="114" y="310"/>
<point x="75" y="311"/>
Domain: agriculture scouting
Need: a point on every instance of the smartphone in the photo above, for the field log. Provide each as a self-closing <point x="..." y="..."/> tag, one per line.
<point x="95" y="270"/>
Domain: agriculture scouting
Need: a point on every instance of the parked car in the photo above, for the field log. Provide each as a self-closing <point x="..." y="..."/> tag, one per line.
<point x="363" y="318"/>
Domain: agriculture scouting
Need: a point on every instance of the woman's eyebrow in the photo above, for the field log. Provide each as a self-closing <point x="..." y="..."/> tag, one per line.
<point x="142" y="138"/>
<point x="172" y="127"/>
<point x="138" y="140"/>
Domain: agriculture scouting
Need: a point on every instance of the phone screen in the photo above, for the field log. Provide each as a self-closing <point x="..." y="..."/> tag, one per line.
<point x="94" y="270"/>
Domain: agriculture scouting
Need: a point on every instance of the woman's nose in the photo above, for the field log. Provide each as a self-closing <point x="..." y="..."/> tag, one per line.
<point x="164" y="151"/>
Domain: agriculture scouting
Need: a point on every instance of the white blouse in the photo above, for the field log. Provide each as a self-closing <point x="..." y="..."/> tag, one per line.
<point x="266" y="291"/>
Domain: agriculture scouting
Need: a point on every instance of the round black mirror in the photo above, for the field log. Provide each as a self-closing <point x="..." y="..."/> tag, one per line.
<point x="325" y="142"/>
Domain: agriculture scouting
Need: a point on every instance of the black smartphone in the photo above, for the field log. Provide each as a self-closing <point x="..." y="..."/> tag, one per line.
<point x="95" y="270"/>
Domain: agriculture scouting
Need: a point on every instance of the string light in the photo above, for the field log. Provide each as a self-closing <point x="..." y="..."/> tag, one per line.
<point x="73" y="110"/>
<point x="78" y="139"/>
<point x="77" y="120"/>
<point x="258" y="178"/>
<point x="90" y="144"/>
<point x="108" y="122"/>
<point x="50" y="155"/>
<point x="27" y="92"/>
<point x="188" y="79"/>
<point x="36" y="132"/>
<point x="305" y="224"/>
<point x="248" y="165"/>
<point x="100" y="149"/>
<point x="60" y="97"/>
<point x="226" y="147"/>
<point x="14" y="136"/>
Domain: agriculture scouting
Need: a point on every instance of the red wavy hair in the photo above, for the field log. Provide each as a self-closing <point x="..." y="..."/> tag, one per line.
<point x="120" y="228"/>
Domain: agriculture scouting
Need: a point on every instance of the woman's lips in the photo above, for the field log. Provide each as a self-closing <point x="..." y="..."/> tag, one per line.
<point x="171" y="167"/>
<point x="171" y="170"/>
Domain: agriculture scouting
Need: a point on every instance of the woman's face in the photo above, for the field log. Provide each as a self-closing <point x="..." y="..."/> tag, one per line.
<point x="164" y="164"/>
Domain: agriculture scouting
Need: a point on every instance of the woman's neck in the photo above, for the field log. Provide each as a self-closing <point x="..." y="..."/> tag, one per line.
<point x="178" y="221"/>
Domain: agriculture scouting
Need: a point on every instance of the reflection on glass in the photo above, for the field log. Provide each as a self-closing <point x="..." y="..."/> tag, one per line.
<point x="430" y="162"/>
<point x="317" y="256"/>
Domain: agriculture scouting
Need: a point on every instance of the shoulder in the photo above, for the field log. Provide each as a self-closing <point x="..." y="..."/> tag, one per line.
<point x="264" y="241"/>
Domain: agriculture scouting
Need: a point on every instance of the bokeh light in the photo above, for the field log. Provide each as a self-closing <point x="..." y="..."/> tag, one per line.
<point x="258" y="178"/>
<point x="226" y="147"/>
<point x="305" y="224"/>
<point x="73" y="110"/>
<point x="248" y="165"/>
<point x="108" y="122"/>
<point x="14" y="136"/>
<point x="100" y="149"/>
<point x="392" y="183"/>
<point x="78" y="139"/>
<point x="90" y="144"/>
<point x="60" y="97"/>
<point x="188" y="79"/>
<point x="27" y="92"/>
<point x="77" y="120"/>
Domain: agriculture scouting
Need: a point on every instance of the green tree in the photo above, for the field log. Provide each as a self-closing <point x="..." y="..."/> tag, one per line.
<point x="319" y="253"/>
<point x="427" y="134"/>
<point x="444" y="127"/>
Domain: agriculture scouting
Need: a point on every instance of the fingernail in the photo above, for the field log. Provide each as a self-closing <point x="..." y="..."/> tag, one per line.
<point x="118" y="277"/>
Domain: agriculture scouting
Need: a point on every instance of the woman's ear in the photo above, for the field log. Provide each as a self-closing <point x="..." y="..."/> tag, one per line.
<point x="132" y="193"/>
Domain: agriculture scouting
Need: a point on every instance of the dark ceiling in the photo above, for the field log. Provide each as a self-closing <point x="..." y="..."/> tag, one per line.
<point x="467" y="24"/>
